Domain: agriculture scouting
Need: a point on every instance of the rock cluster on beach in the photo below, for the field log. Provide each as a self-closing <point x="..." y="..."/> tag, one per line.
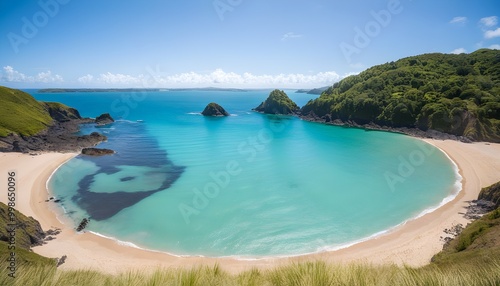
<point x="83" y="224"/>
<point x="492" y="194"/>
<point x="214" y="109"/>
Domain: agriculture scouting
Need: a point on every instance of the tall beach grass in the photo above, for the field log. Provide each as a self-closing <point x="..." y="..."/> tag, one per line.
<point x="309" y="273"/>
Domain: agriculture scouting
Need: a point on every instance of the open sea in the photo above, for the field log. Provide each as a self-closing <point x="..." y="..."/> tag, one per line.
<point x="249" y="185"/>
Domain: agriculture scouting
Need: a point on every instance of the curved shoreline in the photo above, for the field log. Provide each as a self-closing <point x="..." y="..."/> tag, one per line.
<point x="457" y="188"/>
<point x="412" y="243"/>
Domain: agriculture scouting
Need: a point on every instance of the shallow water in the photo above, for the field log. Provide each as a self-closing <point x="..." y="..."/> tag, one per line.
<point x="248" y="185"/>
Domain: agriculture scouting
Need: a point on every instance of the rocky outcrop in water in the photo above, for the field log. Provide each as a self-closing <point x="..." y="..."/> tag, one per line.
<point x="213" y="109"/>
<point x="104" y="119"/>
<point x="278" y="102"/>
<point x="97" y="151"/>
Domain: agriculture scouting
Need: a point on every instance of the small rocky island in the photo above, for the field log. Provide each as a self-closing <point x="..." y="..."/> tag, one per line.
<point x="104" y="119"/>
<point x="278" y="102"/>
<point x="213" y="109"/>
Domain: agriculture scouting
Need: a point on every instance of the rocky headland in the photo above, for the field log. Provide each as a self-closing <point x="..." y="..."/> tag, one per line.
<point x="27" y="125"/>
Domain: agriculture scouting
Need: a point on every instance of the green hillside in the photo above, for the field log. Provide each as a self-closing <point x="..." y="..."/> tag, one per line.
<point x="22" y="114"/>
<point x="455" y="94"/>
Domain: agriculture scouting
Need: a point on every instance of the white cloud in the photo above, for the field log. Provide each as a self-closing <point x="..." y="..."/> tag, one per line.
<point x="215" y="78"/>
<point x="459" y="51"/>
<point x="494" y="47"/>
<point x="459" y="20"/>
<point x="290" y="35"/>
<point x="47" y="77"/>
<point x="11" y="75"/>
<point x="492" y="33"/>
<point x="489" y="21"/>
<point x="86" y="78"/>
<point x="248" y="79"/>
<point x="110" y="78"/>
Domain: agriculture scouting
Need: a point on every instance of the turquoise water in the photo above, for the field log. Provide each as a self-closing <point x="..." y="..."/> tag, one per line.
<point x="249" y="185"/>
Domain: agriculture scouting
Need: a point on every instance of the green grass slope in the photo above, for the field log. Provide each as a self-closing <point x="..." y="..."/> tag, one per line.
<point x="455" y="94"/>
<point x="20" y="113"/>
<point x="25" y="257"/>
<point x="28" y="230"/>
<point x="479" y="242"/>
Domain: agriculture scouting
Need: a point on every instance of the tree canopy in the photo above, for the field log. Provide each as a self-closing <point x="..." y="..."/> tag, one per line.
<point x="455" y="94"/>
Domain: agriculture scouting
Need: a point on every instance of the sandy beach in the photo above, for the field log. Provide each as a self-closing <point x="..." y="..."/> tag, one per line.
<point x="413" y="244"/>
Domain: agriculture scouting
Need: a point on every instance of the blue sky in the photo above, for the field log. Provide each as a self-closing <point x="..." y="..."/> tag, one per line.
<point x="227" y="43"/>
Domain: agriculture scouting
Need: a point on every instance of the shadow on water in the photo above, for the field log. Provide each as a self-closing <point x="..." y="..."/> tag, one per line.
<point x="133" y="147"/>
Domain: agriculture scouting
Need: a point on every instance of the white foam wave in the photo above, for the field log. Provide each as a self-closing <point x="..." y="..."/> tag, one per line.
<point x="124" y="120"/>
<point x="52" y="174"/>
<point x="456" y="188"/>
<point x="194" y="113"/>
<point x="133" y="245"/>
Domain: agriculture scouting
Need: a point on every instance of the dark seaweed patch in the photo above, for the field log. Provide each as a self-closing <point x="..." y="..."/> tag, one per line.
<point x="133" y="147"/>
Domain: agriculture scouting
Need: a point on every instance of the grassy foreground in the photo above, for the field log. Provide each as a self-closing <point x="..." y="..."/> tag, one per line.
<point x="312" y="273"/>
<point x="472" y="258"/>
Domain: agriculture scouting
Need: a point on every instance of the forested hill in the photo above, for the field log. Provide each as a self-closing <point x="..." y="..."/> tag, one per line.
<point x="455" y="94"/>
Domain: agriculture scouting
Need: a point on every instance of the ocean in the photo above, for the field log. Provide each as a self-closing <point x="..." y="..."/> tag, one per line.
<point x="247" y="186"/>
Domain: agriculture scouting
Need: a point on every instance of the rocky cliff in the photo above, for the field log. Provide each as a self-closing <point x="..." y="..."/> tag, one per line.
<point x="28" y="125"/>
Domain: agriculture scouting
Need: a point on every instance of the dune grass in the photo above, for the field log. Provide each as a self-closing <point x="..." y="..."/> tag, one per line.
<point x="309" y="273"/>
